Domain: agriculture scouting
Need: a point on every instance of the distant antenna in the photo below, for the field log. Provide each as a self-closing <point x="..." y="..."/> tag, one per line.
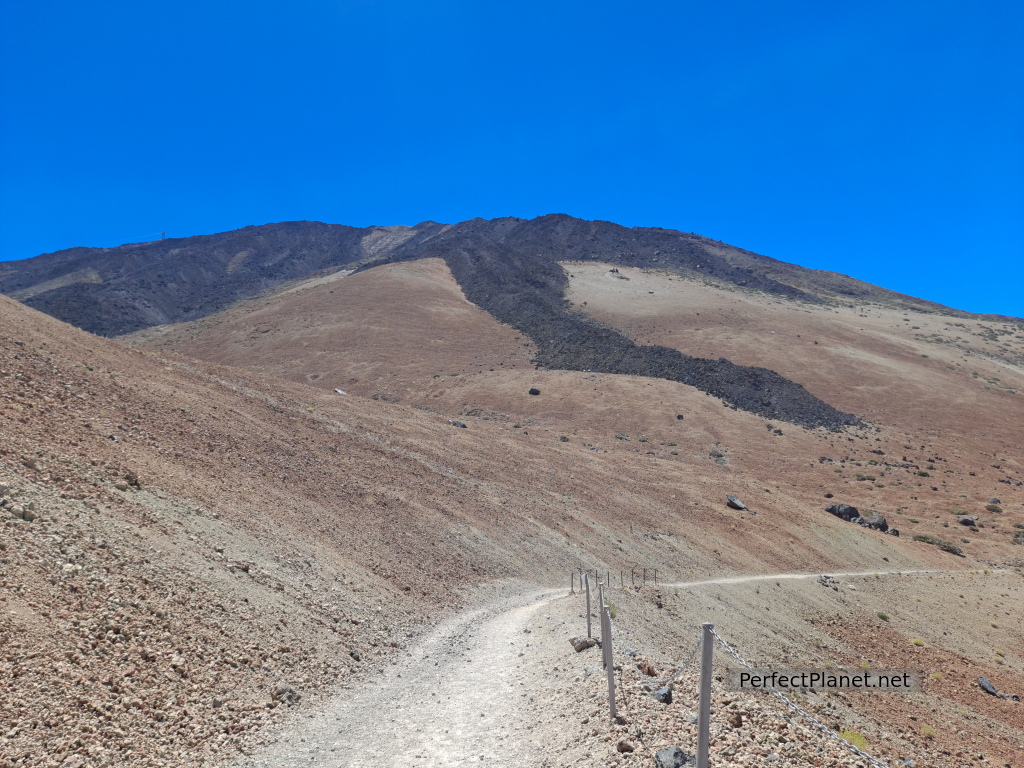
<point x="163" y="235"/>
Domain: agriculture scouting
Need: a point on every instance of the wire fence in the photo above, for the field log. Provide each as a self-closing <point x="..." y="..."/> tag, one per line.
<point x="614" y="642"/>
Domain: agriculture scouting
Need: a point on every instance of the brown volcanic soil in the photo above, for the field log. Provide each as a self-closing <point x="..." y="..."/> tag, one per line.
<point x="340" y="505"/>
<point x="373" y="333"/>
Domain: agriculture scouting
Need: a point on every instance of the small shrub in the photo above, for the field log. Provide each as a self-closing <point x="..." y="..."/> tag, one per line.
<point x="918" y="642"/>
<point x="613" y="609"/>
<point x="882" y="615"/>
<point x="922" y="473"/>
<point x="945" y="546"/>
<point x="564" y="439"/>
<point x="994" y="509"/>
<point x="673" y="445"/>
<point x="935" y="675"/>
<point x="928" y="731"/>
<point x="716" y="454"/>
<point x="673" y="453"/>
<point x="642" y="438"/>
<point x="621" y="436"/>
<point x="993" y="625"/>
<point x="856" y="738"/>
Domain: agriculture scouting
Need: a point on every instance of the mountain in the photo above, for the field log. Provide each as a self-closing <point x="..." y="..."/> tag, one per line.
<point x="112" y="291"/>
<point x="286" y="497"/>
<point x="509" y="267"/>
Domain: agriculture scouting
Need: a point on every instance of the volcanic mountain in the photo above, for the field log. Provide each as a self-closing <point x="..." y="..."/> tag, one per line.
<point x="509" y="267"/>
<point x="318" y="442"/>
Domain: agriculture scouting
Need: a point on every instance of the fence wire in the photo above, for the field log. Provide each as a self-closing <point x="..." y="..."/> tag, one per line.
<point x="617" y="634"/>
<point x="654" y="681"/>
<point x="803" y="713"/>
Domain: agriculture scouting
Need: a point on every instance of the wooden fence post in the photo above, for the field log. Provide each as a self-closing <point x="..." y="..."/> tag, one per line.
<point x="704" y="703"/>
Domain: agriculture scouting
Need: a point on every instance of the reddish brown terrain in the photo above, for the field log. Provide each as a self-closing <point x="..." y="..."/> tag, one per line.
<point x="216" y="530"/>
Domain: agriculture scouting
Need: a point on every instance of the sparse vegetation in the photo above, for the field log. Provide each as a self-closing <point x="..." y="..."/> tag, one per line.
<point x="994" y="508"/>
<point x="918" y="642"/>
<point x="564" y="439"/>
<point x="856" y="738"/>
<point x="882" y="615"/>
<point x="945" y="546"/>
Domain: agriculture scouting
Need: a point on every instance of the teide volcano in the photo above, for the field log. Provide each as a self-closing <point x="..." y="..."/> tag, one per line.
<point x="509" y="267"/>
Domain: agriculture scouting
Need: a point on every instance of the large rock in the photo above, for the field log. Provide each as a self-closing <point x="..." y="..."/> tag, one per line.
<point x="873" y="520"/>
<point x="734" y="503"/>
<point x="580" y="644"/>
<point x="843" y="511"/>
<point x="967" y="520"/>
<point x="673" y="757"/>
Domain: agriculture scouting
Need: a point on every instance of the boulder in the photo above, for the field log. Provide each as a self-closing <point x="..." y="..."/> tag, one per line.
<point x="994" y="500"/>
<point x="987" y="687"/>
<point x="580" y="644"/>
<point x="843" y="512"/>
<point x="873" y="520"/>
<point x="967" y="519"/>
<point x="733" y="503"/>
<point x="534" y="391"/>
<point x="673" y="757"/>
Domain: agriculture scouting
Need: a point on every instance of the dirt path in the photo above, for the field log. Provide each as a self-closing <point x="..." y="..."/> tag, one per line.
<point x="788" y="576"/>
<point x="464" y="695"/>
<point x="491" y="686"/>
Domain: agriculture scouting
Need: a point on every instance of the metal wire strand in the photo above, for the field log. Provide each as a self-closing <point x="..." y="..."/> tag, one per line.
<point x="803" y="713"/>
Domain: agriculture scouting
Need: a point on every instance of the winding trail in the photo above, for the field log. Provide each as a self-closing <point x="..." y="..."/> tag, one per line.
<point x="478" y="690"/>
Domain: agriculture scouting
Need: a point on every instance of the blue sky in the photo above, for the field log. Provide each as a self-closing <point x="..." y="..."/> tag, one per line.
<point x="882" y="140"/>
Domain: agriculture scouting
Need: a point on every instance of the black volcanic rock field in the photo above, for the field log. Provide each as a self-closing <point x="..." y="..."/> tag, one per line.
<point x="508" y="274"/>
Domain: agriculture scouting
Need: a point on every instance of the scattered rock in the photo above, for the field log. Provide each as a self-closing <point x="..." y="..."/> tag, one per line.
<point x="580" y="644"/>
<point x="828" y="495"/>
<point x="843" y="512"/>
<point x="873" y="520"/>
<point x="828" y="581"/>
<point x="534" y="391"/>
<point x="987" y="687"/>
<point x="624" y="745"/>
<point x="285" y="694"/>
<point x="679" y="417"/>
<point x="455" y="423"/>
<point x="663" y="695"/>
<point x="121" y="485"/>
<point x="994" y="500"/>
<point x="647" y="668"/>
<point x="734" y="503"/>
<point x="967" y="519"/>
<point x="673" y="757"/>
<point x="869" y="519"/>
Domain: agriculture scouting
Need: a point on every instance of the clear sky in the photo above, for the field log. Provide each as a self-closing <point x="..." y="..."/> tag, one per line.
<point x="880" y="139"/>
